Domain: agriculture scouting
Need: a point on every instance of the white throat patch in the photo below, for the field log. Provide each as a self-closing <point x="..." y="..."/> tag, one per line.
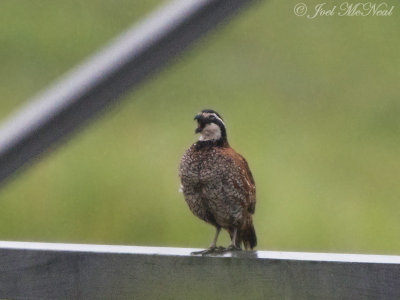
<point x="210" y="132"/>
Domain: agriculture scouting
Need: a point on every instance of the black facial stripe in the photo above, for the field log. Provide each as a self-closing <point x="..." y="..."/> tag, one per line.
<point x="210" y="111"/>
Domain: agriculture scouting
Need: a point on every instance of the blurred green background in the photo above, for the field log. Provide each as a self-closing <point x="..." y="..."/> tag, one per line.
<point x="312" y="104"/>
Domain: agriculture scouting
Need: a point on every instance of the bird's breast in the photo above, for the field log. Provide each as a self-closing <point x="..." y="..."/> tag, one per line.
<point x="199" y="166"/>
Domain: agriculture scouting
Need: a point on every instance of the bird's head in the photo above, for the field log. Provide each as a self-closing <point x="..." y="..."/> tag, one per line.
<point x="211" y="126"/>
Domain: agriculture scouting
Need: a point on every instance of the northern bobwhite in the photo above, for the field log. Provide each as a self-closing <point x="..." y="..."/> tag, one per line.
<point x="218" y="185"/>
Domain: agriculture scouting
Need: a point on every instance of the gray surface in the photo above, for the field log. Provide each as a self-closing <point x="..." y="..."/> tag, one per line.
<point x="103" y="78"/>
<point x="65" y="271"/>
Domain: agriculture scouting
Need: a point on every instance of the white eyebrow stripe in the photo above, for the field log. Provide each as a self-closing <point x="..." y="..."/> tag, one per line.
<point x="215" y="115"/>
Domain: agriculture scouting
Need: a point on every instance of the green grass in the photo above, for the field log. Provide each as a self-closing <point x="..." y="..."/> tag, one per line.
<point x="312" y="104"/>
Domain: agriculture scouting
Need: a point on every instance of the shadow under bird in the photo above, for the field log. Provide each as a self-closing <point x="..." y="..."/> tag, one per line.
<point x="218" y="185"/>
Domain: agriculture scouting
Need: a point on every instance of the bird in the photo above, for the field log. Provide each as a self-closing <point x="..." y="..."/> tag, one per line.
<point x="218" y="185"/>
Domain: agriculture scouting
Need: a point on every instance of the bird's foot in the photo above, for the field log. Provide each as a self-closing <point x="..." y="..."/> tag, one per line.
<point x="233" y="248"/>
<point x="211" y="250"/>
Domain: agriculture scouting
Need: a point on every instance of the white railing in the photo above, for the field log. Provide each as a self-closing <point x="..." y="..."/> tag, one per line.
<point x="73" y="271"/>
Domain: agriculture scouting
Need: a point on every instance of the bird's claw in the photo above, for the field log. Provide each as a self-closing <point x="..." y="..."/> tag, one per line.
<point x="217" y="250"/>
<point x="233" y="248"/>
<point x="211" y="250"/>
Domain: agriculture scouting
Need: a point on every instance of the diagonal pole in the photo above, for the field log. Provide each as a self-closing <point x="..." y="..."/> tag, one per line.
<point x="102" y="79"/>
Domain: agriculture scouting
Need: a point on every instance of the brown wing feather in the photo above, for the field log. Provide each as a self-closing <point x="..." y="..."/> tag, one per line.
<point x="246" y="177"/>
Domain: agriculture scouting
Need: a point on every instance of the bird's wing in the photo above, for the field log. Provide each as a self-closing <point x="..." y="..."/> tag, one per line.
<point x="244" y="178"/>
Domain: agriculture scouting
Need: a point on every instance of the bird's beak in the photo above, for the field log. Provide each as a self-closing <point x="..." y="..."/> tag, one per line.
<point x="200" y="123"/>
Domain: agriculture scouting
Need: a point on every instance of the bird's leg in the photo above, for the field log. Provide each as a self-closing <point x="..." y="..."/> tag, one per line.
<point x="213" y="247"/>
<point x="233" y="246"/>
<point x="214" y="242"/>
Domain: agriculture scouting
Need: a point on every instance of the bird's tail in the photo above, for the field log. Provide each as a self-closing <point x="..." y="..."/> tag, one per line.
<point x="248" y="235"/>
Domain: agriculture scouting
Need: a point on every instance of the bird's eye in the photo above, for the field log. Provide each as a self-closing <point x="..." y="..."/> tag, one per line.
<point x="212" y="117"/>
